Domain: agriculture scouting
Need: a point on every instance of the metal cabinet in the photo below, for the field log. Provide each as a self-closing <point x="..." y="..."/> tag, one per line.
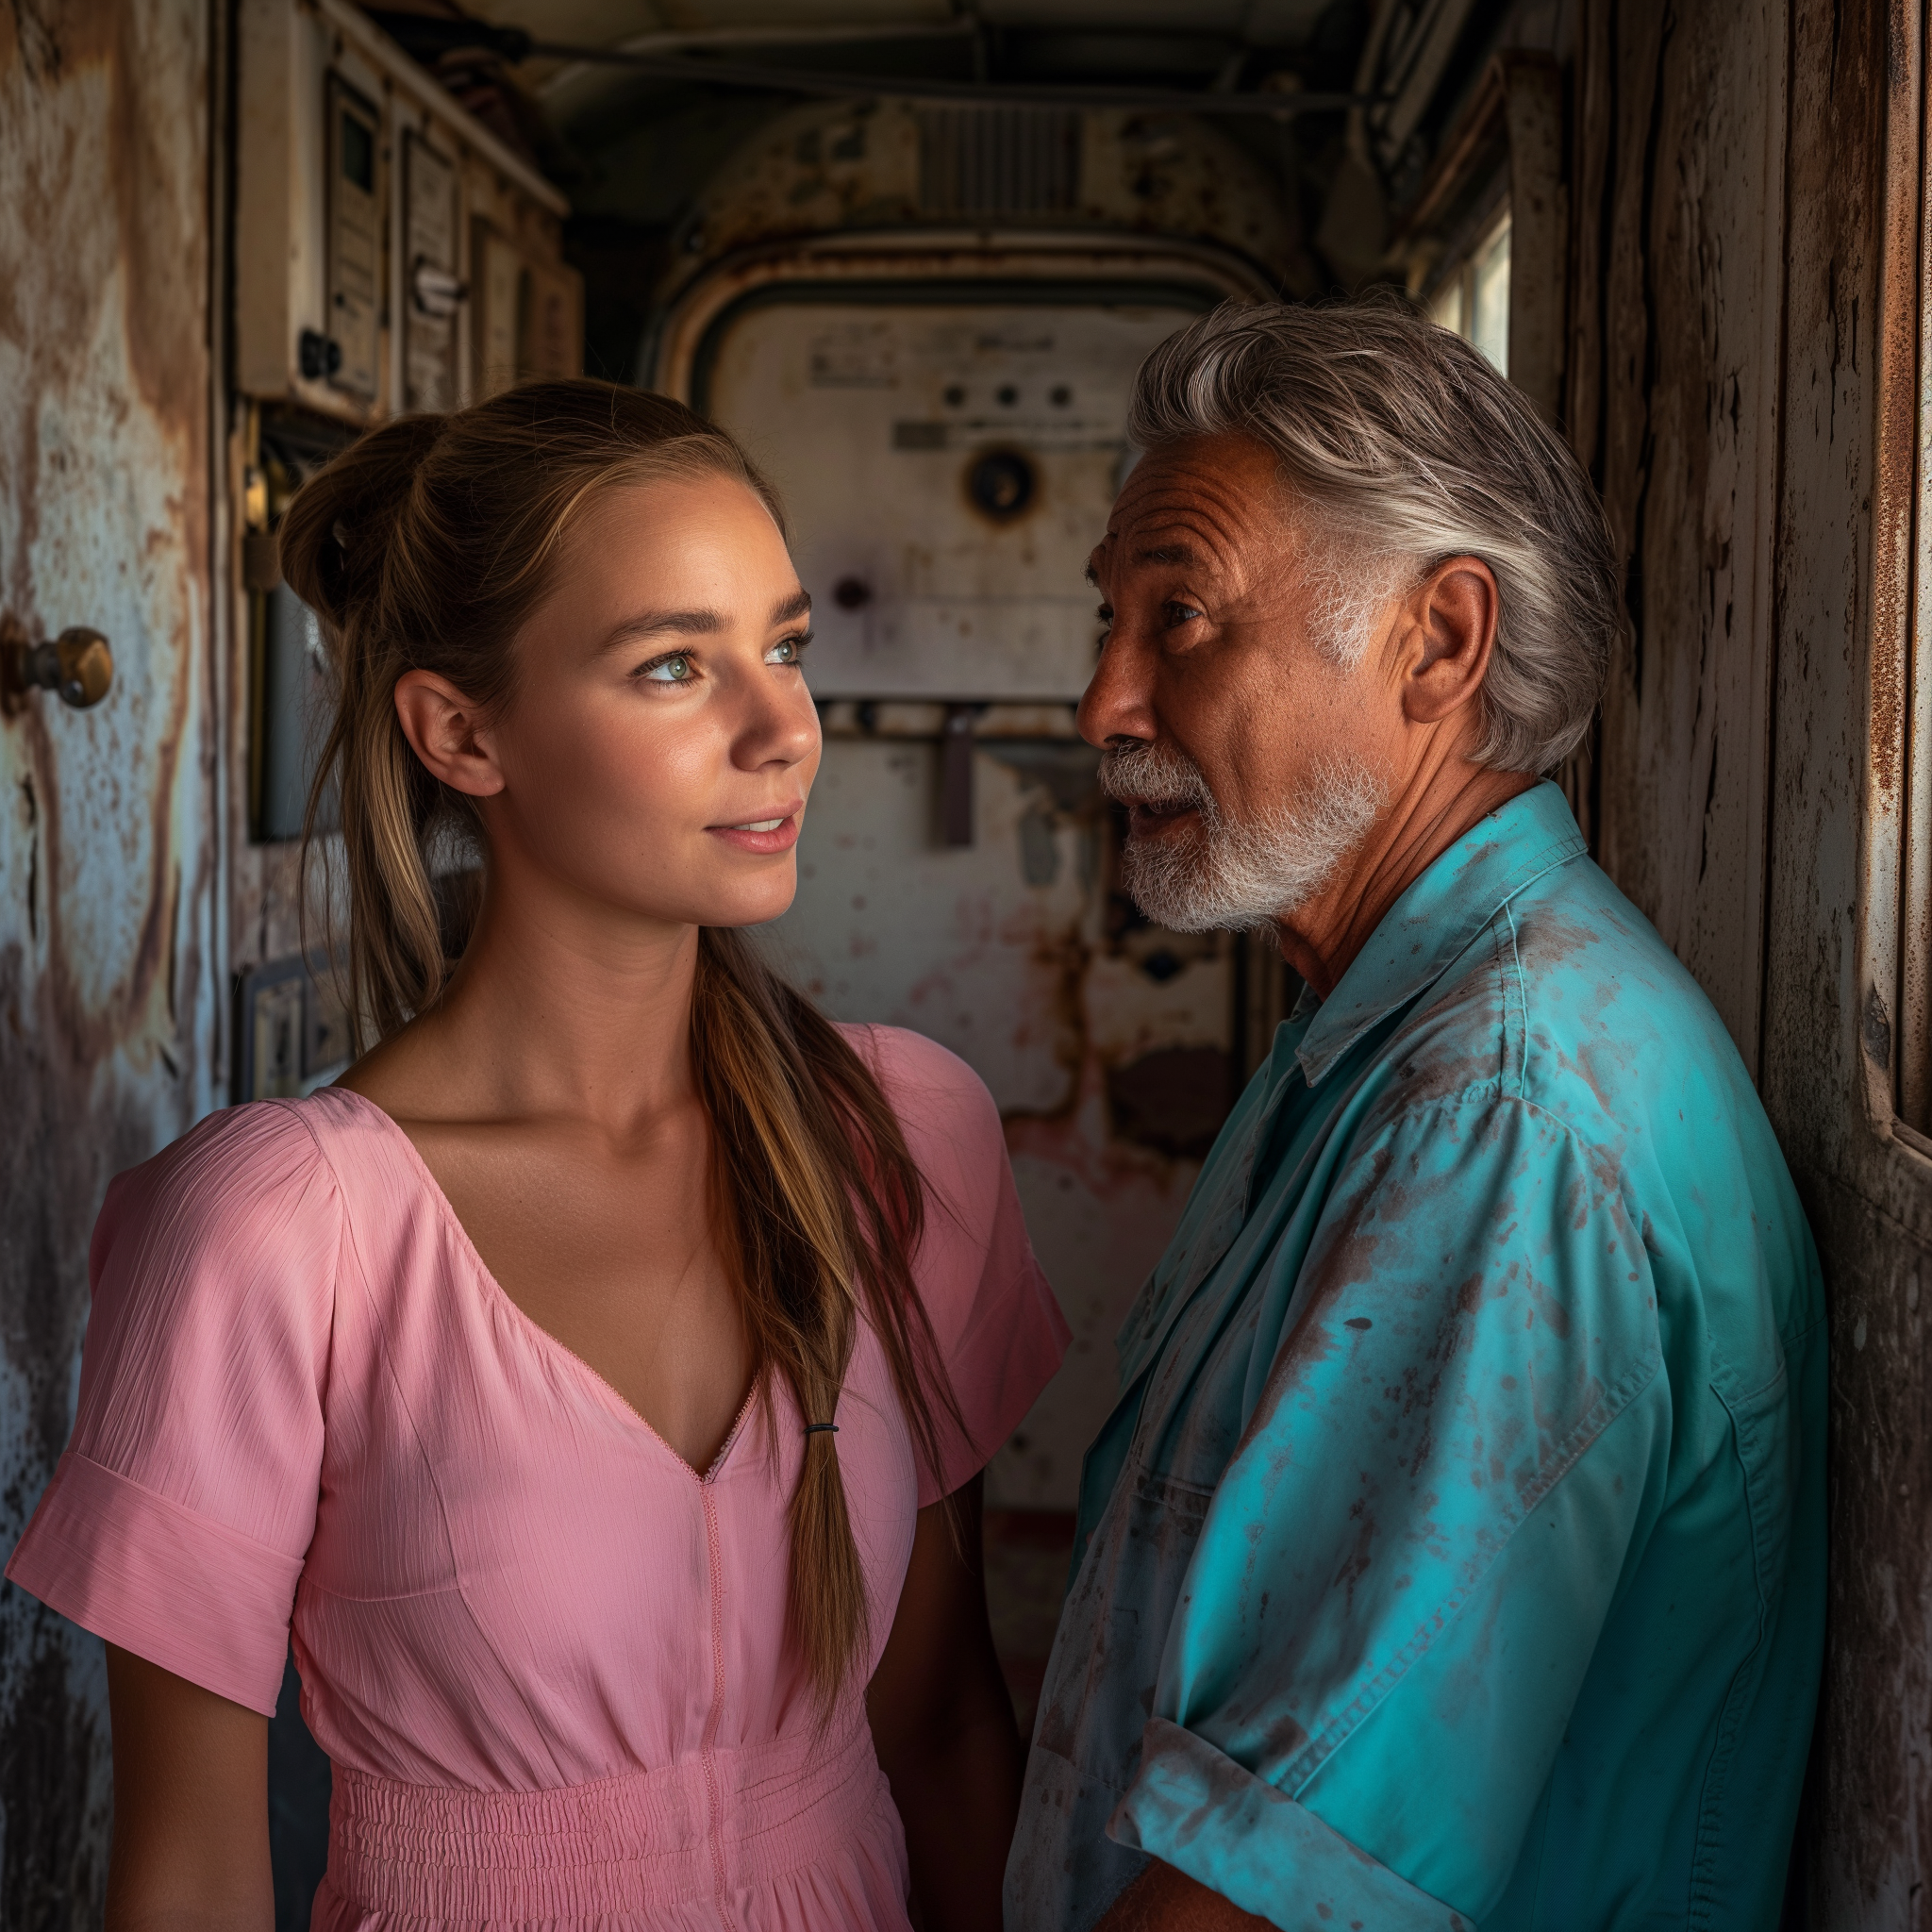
<point x="370" y="211"/>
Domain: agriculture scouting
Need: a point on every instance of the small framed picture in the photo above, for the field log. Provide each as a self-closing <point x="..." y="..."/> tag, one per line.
<point x="292" y="1027"/>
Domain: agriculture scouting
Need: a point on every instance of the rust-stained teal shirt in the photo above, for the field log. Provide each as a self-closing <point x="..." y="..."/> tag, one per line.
<point x="1456" y="1553"/>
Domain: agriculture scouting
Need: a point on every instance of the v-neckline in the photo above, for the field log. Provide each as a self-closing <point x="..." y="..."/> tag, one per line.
<point x="601" y="1384"/>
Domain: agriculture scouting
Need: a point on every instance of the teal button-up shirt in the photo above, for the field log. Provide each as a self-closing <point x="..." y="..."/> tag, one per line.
<point x="1454" y="1556"/>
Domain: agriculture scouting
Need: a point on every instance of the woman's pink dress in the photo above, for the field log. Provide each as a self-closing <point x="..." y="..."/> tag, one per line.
<point x="548" y="1659"/>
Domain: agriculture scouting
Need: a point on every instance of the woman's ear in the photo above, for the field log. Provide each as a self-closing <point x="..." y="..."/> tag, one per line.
<point x="1452" y="629"/>
<point x="446" y="733"/>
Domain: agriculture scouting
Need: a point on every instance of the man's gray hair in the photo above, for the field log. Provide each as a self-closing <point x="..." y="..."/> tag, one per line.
<point x="1407" y="447"/>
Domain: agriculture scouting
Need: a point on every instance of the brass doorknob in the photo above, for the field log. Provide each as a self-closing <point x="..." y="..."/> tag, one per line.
<point x="79" y="664"/>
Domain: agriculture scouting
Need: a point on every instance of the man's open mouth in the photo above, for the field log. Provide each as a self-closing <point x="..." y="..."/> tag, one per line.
<point x="1152" y="814"/>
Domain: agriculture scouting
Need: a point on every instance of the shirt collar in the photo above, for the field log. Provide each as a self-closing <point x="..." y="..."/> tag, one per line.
<point x="1429" y="928"/>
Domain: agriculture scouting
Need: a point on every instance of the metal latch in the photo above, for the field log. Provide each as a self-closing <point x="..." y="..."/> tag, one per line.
<point x="437" y="293"/>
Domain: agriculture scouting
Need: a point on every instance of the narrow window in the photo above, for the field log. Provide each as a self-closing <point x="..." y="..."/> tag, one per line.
<point x="1471" y="294"/>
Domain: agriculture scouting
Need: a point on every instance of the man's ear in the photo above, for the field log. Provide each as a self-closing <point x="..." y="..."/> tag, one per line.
<point x="1451" y="616"/>
<point x="446" y="732"/>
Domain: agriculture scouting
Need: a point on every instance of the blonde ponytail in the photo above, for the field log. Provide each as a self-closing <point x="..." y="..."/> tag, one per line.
<point x="426" y="545"/>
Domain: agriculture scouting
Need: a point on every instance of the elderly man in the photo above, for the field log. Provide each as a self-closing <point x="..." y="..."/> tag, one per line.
<point x="1455" y="1554"/>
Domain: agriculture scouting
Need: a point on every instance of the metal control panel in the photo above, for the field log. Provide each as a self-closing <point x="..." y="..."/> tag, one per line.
<point x="370" y="206"/>
<point x="946" y="468"/>
<point x="353" y="254"/>
<point x="433" y="288"/>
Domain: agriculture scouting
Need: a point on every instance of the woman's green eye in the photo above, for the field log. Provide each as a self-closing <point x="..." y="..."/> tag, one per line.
<point x="669" y="670"/>
<point x="787" y="650"/>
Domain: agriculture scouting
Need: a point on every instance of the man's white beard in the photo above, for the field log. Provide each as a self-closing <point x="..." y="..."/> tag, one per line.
<point x="1218" y="876"/>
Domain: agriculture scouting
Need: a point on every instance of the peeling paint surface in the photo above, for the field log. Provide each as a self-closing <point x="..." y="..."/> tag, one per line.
<point x="890" y="430"/>
<point x="108" y="1019"/>
<point x="851" y="167"/>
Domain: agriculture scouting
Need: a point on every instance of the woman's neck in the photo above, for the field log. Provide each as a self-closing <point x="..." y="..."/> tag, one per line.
<point x="559" y="1008"/>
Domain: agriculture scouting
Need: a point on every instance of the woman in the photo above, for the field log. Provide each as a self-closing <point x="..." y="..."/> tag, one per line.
<point x="602" y="1367"/>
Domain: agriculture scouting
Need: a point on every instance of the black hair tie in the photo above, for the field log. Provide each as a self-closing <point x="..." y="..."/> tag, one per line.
<point x="812" y="1428"/>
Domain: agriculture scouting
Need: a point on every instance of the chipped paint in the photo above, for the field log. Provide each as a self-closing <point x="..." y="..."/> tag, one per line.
<point x="108" y="1016"/>
<point x="918" y="591"/>
<point x="851" y="167"/>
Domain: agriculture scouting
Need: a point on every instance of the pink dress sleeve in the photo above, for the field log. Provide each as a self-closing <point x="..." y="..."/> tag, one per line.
<point x="1001" y="1334"/>
<point x="177" y="1520"/>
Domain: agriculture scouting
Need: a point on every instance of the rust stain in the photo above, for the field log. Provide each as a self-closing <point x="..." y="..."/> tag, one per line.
<point x="1896" y="448"/>
<point x="828" y="168"/>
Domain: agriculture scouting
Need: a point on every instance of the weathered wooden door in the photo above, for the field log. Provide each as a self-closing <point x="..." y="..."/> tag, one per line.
<point x="108" y="937"/>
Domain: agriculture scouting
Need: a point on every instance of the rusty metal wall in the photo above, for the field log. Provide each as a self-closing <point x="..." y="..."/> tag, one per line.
<point x="109" y="911"/>
<point x="873" y="415"/>
<point x="851" y="168"/>
<point x="1745" y="339"/>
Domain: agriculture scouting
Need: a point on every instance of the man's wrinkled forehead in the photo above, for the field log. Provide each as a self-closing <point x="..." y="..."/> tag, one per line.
<point x="1200" y="505"/>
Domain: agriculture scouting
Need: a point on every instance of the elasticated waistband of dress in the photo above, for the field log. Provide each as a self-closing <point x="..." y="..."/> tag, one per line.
<point x="703" y="1828"/>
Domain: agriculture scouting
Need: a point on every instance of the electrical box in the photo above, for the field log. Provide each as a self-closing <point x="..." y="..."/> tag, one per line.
<point x="390" y="252"/>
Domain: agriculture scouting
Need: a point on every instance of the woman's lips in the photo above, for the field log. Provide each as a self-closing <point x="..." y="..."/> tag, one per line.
<point x="762" y="835"/>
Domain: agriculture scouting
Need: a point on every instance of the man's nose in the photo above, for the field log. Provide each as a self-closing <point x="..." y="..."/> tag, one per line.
<point x="1118" y="702"/>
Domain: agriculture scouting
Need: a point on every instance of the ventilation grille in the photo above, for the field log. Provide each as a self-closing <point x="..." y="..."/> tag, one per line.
<point x="999" y="160"/>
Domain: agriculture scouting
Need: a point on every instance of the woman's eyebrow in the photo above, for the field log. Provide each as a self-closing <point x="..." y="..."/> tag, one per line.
<point x="647" y="624"/>
<point x="788" y="609"/>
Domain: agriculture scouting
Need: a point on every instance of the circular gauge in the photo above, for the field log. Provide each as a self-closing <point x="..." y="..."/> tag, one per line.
<point x="1002" y="484"/>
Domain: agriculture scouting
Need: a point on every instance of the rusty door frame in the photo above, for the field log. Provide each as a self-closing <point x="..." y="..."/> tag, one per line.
<point x="932" y="257"/>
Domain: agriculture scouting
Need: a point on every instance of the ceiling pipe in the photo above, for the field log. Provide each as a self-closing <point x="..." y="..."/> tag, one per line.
<point x="427" y="33"/>
<point x="1276" y="107"/>
<point x="673" y="41"/>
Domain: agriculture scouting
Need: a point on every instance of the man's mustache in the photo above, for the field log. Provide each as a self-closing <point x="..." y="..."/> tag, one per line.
<point x="1157" y="775"/>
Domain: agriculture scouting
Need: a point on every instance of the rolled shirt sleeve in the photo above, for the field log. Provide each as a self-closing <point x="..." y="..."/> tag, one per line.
<point x="1404" y="1570"/>
<point x="177" y="1521"/>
